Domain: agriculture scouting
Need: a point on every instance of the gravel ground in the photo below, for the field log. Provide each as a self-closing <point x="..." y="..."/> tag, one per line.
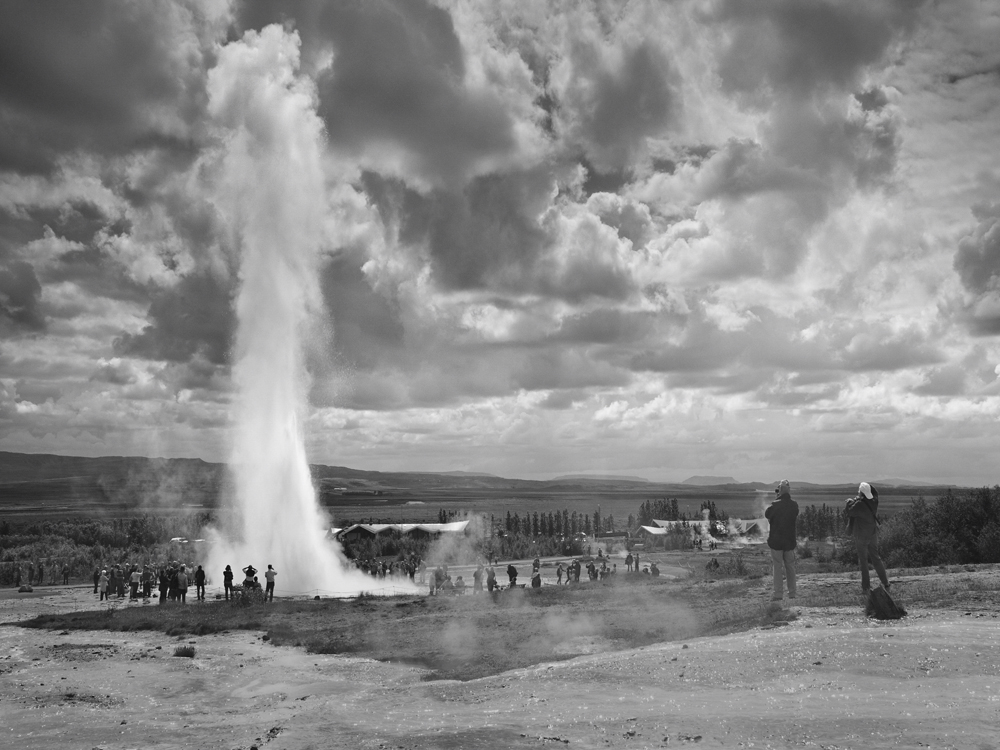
<point x="827" y="679"/>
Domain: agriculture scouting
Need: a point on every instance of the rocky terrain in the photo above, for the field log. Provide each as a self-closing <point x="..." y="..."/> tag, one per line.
<point x="828" y="678"/>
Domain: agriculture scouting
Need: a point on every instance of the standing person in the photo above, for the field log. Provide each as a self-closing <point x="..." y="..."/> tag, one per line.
<point x="628" y="562"/>
<point x="31" y="572"/>
<point x="172" y="571"/>
<point x="199" y="584"/>
<point x="511" y="575"/>
<point x="269" y="575"/>
<point x="102" y="584"/>
<point x="164" y="584"/>
<point x="635" y="562"/>
<point x="249" y="571"/>
<point x="227" y="581"/>
<point x="862" y="525"/>
<point x="147" y="581"/>
<point x="97" y="578"/>
<point x="559" y="573"/>
<point x="133" y="583"/>
<point x="491" y="578"/>
<point x="477" y="579"/>
<point x="781" y="515"/>
<point x="41" y="573"/>
<point x="182" y="584"/>
<point x="65" y="572"/>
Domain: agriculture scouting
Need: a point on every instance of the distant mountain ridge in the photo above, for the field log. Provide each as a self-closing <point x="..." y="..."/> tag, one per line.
<point x="45" y="482"/>
<point x="707" y="481"/>
<point x="598" y="478"/>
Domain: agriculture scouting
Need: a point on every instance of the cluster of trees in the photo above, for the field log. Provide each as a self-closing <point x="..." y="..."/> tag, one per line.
<point x="558" y="524"/>
<point x="955" y="529"/>
<point x="666" y="510"/>
<point x="661" y="508"/>
<point x="84" y="544"/>
<point x="820" y="523"/>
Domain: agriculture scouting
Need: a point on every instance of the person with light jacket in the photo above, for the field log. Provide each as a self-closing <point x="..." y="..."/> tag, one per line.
<point x="862" y="525"/>
<point x="781" y="515"/>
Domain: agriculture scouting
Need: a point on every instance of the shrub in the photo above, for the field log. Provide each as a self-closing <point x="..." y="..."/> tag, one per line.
<point x="184" y="651"/>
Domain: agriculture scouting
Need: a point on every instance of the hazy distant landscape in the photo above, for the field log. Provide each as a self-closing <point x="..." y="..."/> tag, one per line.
<point x="54" y="486"/>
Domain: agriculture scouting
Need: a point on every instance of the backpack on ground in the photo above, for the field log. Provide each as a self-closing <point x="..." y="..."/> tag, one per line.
<point x="881" y="606"/>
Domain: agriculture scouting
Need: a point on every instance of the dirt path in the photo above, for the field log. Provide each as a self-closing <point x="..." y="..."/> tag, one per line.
<point x="829" y="679"/>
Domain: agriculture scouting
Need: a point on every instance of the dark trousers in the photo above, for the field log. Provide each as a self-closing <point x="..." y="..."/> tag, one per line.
<point x="269" y="591"/>
<point x="868" y="552"/>
<point x="182" y="594"/>
<point x="228" y="587"/>
<point x="133" y="590"/>
<point x="200" y="591"/>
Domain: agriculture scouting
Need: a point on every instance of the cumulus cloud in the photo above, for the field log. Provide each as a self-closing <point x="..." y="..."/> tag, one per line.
<point x="556" y="234"/>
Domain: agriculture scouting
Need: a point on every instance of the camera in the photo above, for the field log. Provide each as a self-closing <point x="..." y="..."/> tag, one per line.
<point x="777" y="490"/>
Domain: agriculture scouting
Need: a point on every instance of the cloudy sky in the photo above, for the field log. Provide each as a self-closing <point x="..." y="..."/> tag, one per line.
<point x="757" y="238"/>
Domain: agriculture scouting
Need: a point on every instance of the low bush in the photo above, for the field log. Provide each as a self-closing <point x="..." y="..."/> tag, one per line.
<point x="187" y="651"/>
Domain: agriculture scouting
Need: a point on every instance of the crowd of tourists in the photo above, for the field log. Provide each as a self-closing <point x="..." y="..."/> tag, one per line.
<point x="485" y="575"/>
<point x="399" y="569"/>
<point x="34" y="575"/>
<point x="170" y="582"/>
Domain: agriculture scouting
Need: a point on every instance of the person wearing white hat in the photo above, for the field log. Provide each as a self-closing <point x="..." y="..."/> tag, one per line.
<point x="862" y="525"/>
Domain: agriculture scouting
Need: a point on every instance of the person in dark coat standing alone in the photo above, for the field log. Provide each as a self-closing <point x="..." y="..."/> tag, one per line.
<point x="781" y="515"/>
<point x="199" y="584"/>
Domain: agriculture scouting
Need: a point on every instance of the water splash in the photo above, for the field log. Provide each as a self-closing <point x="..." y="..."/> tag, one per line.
<point x="272" y="194"/>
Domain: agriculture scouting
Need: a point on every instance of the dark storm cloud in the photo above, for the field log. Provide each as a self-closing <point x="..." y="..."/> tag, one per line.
<point x="561" y="368"/>
<point x="397" y="79"/>
<point x="36" y="392"/>
<point x="106" y="76"/>
<point x="486" y="235"/>
<point x="604" y="326"/>
<point x="367" y="325"/>
<point x="977" y="262"/>
<point x="771" y="343"/>
<point x="195" y="317"/>
<point x="948" y="380"/>
<point x="20" y="298"/>
<point x="804" y="46"/>
<point x="91" y="269"/>
<point x="978" y="258"/>
<point x="622" y="107"/>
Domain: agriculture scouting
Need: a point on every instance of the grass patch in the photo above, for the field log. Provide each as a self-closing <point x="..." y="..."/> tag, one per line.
<point x="470" y="636"/>
<point x="460" y="637"/>
<point x="187" y="651"/>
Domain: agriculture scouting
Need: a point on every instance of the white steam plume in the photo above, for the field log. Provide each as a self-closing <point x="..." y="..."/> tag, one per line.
<point x="273" y="194"/>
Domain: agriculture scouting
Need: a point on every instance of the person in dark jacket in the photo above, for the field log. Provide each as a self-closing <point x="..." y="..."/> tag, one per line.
<point x="227" y="580"/>
<point x="862" y="525"/>
<point x="199" y="584"/>
<point x="781" y="515"/>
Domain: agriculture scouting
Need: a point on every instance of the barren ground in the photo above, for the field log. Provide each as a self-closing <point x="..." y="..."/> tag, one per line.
<point x="828" y="678"/>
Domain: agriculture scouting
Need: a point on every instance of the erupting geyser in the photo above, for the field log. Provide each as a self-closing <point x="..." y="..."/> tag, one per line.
<point x="273" y="196"/>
